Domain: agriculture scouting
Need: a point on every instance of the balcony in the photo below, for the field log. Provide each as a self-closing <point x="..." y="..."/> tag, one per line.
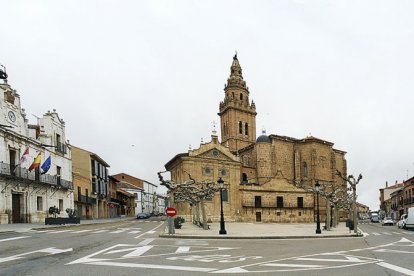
<point x="19" y="173"/>
<point x="60" y="147"/>
<point x="408" y="201"/>
<point x="120" y="202"/>
<point x="86" y="200"/>
<point x="274" y="205"/>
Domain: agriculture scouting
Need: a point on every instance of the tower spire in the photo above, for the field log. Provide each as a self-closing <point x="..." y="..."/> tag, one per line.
<point x="237" y="114"/>
<point x="236" y="76"/>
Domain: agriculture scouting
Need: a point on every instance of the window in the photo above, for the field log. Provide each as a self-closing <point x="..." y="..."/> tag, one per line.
<point x="244" y="178"/>
<point x="39" y="203"/>
<point x="232" y="94"/>
<point x="305" y="169"/>
<point x="61" y="205"/>
<point x="246" y="129"/>
<point x="240" y="127"/>
<point x="207" y="171"/>
<point x="223" y="172"/>
<point x="136" y="196"/>
<point x="225" y="195"/>
<point x="300" y="202"/>
<point x="257" y="201"/>
<point x="241" y="97"/>
<point x="58" y="172"/>
<point x="279" y="202"/>
<point x="79" y="193"/>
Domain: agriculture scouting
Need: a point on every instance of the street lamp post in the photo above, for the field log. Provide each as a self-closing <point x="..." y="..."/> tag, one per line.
<point x="220" y="183"/>
<point x="318" y="222"/>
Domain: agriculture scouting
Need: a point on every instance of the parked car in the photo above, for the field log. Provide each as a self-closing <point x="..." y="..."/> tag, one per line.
<point x="387" y="221"/>
<point x="402" y="221"/>
<point x="374" y="218"/>
<point x="143" y="216"/>
<point x="409" y="223"/>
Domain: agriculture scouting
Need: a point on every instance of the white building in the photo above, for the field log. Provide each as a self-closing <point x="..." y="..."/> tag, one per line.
<point x="26" y="195"/>
<point x="162" y="204"/>
<point x="150" y="198"/>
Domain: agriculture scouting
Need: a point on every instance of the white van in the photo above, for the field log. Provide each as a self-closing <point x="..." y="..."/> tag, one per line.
<point x="410" y="218"/>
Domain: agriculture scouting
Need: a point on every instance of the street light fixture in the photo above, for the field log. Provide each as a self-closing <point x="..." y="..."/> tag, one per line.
<point x="318" y="222"/>
<point x="220" y="183"/>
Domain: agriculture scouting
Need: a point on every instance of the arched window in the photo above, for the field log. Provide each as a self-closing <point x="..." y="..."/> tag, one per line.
<point x="232" y="93"/>
<point x="241" y="97"/>
<point x="240" y="127"/>
<point x="305" y="169"/>
<point x="246" y="128"/>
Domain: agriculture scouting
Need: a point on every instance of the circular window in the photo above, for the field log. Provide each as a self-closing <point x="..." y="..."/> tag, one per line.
<point x="223" y="172"/>
<point x="215" y="153"/>
<point x="207" y="170"/>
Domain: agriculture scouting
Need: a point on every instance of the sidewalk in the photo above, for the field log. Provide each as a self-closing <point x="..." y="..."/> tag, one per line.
<point x="25" y="227"/>
<point x="238" y="230"/>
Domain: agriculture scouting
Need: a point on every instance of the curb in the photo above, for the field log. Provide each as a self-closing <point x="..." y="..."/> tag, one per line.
<point x="173" y="236"/>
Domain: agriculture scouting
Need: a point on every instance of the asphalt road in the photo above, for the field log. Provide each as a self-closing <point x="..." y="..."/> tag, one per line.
<point x="134" y="248"/>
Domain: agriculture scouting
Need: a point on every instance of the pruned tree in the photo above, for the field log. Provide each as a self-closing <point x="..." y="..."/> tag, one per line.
<point x="194" y="192"/>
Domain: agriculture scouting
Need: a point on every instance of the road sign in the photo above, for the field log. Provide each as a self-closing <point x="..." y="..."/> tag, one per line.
<point x="171" y="212"/>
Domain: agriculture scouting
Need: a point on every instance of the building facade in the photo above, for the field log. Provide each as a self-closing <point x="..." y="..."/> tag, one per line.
<point x="146" y="200"/>
<point x="266" y="179"/>
<point x="391" y="200"/>
<point x="35" y="163"/>
<point x="90" y="179"/>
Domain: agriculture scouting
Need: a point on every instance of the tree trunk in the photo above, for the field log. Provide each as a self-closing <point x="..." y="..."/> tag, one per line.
<point x="328" y="214"/>
<point x="203" y="211"/>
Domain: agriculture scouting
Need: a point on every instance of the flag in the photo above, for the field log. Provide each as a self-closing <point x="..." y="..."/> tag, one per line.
<point x="36" y="162"/>
<point x="46" y="165"/>
<point x="24" y="156"/>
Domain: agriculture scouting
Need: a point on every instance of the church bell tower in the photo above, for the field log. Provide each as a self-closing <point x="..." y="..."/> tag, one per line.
<point x="237" y="113"/>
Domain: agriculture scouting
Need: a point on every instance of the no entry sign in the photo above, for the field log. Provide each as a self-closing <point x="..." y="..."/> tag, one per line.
<point x="171" y="212"/>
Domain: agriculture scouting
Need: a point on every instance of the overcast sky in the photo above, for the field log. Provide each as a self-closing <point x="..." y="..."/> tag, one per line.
<point x="139" y="81"/>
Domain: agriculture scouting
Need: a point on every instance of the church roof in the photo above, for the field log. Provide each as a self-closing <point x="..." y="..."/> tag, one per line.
<point x="263" y="138"/>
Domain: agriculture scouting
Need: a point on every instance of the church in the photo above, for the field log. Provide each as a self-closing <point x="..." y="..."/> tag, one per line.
<point x="266" y="179"/>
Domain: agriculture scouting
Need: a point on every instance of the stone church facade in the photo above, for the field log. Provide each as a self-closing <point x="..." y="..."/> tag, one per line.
<point x="265" y="177"/>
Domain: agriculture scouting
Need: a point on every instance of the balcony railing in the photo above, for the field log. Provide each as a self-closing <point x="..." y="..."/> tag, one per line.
<point x="274" y="205"/>
<point x="86" y="199"/>
<point x="22" y="173"/>
<point x="120" y="202"/>
<point x="408" y="200"/>
<point x="60" y="147"/>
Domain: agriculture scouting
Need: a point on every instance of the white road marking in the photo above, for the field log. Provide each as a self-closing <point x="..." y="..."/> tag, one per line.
<point x="398" y="233"/>
<point x="100" y="231"/>
<point x="134" y="232"/>
<point x="81" y="231"/>
<point x="149" y="232"/>
<point x="43" y="231"/>
<point x="138" y="252"/>
<point x="376" y="234"/>
<point x="15" y="238"/>
<point x="386" y="233"/>
<point x="50" y="250"/>
<point x="182" y="249"/>
<point x="117" y="231"/>
<point x="349" y="259"/>
<point x="61" y="231"/>
<point x="191" y="242"/>
<point x="146" y="242"/>
<point x="396" y="268"/>
<point x="363" y="233"/>
<point x="293" y="265"/>
<point x="393" y="251"/>
<point x="168" y="267"/>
